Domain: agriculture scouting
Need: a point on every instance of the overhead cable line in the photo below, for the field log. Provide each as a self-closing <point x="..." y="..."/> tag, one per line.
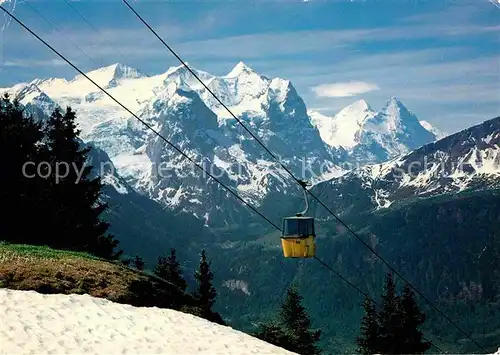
<point x="95" y="29"/>
<point x="179" y="151"/>
<point x="367" y="295"/>
<point x="58" y="30"/>
<point x="142" y="121"/>
<point x="300" y="182"/>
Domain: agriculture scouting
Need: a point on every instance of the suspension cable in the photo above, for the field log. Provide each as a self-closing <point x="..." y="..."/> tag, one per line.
<point x="300" y="182"/>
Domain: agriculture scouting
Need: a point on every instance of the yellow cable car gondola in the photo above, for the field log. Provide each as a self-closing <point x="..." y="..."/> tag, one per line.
<point x="298" y="237"/>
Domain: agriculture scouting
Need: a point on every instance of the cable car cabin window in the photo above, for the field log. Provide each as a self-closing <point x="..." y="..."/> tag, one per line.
<point x="298" y="226"/>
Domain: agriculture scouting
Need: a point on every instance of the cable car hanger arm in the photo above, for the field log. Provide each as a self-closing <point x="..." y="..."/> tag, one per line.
<point x="304" y="184"/>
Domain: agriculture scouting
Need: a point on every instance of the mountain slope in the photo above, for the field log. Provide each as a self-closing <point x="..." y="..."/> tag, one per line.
<point x="469" y="159"/>
<point x="143" y="226"/>
<point x="442" y="244"/>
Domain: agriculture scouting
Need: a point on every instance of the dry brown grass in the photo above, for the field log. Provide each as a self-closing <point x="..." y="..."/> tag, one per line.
<point x="46" y="270"/>
<point x="50" y="271"/>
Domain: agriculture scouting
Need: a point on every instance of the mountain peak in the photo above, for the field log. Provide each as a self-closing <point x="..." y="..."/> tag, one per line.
<point x="124" y="71"/>
<point x="395" y="129"/>
<point x="360" y="105"/>
<point x="395" y="108"/>
<point x="239" y="69"/>
<point x="394" y="102"/>
<point x="183" y="75"/>
<point x="110" y="74"/>
<point x="118" y="71"/>
<point x="342" y="129"/>
<point x="179" y="68"/>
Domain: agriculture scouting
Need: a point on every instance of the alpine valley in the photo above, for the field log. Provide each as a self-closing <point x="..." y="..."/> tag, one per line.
<point x="425" y="200"/>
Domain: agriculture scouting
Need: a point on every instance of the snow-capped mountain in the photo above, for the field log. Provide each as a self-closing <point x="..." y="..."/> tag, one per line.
<point x="186" y="114"/>
<point x="469" y="159"/>
<point x="373" y="137"/>
<point x="35" y="101"/>
<point x="342" y="129"/>
<point x="143" y="226"/>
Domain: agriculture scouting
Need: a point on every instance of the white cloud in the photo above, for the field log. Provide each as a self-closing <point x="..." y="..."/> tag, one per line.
<point x="345" y="89"/>
<point x="35" y="63"/>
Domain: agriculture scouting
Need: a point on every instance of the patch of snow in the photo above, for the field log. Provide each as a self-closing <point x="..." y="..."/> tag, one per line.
<point x="132" y="166"/>
<point x="115" y="183"/>
<point x="175" y="200"/>
<point x="237" y="285"/>
<point x="81" y="324"/>
<point x="206" y="217"/>
<point x="490" y="137"/>
<point x="334" y="172"/>
<point x="381" y="200"/>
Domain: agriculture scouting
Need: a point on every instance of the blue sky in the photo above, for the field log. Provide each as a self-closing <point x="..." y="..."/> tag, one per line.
<point x="440" y="58"/>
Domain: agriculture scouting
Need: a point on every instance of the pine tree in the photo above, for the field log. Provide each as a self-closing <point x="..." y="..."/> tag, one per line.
<point x="162" y="268"/>
<point x="291" y="330"/>
<point x="294" y="317"/>
<point x="389" y="319"/>
<point x="169" y="268"/>
<point x="369" y="337"/>
<point x="411" y="319"/>
<point x="22" y="188"/>
<point x="205" y="294"/>
<point x="138" y="263"/>
<point x="395" y="329"/>
<point x="274" y="333"/>
<point x="75" y="196"/>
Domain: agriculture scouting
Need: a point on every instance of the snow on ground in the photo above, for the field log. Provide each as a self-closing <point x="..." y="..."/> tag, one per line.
<point x="34" y="323"/>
